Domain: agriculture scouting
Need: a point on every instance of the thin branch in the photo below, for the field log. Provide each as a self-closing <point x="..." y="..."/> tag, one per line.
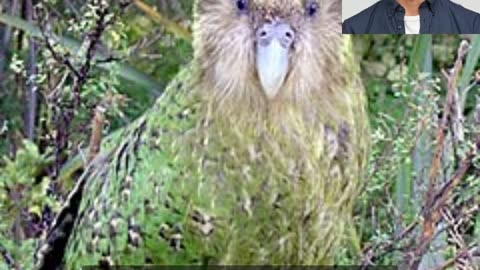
<point x="32" y="95"/>
<point x="464" y="214"/>
<point x="387" y="246"/>
<point x="79" y="74"/>
<point x="431" y="214"/>
<point x="465" y="253"/>
<point x="62" y="59"/>
<point x="97" y="129"/>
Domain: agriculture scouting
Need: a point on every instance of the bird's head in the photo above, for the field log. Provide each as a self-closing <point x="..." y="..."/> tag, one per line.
<point x="269" y="50"/>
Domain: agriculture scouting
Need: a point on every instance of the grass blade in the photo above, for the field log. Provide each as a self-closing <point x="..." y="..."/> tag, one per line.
<point x="421" y="57"/>
<point x="471" y="61"/>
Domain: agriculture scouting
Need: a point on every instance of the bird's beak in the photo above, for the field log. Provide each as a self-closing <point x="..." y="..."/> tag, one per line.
<point x="274" y="42"/>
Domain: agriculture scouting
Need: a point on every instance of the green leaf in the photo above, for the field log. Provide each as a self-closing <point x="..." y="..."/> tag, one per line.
<point x="421" y="57"/>
<point x="468" y="71"/>
<point x="125" y="71"/>
<point x="471" y="62"/>
<point x="420" y="62"/>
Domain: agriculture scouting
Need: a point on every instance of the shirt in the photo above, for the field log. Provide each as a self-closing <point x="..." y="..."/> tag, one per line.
<point x="436" y="17"/>
<point x="412" y="24"/>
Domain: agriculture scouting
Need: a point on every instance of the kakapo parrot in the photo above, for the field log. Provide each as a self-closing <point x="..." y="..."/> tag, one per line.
<point x="254" y="154"/>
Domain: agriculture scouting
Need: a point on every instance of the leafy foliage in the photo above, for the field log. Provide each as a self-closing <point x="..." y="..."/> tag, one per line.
<point x="23" y="189"/>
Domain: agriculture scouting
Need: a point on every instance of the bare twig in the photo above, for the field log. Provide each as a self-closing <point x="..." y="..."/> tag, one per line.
<point x="439" y="201"/>
<point x="465" y="253"/>
<point x="79" y="74"/>
<point x="59" y="58"/>
<point x="387" y="246"/>
<point x="434" y="202"/>
<point x="463" y="215"/>
<point x="97" y="129"/>
<point x="437" y="196"/>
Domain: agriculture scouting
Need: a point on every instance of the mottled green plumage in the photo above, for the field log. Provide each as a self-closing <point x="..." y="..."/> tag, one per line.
<point x="195" y="182"/>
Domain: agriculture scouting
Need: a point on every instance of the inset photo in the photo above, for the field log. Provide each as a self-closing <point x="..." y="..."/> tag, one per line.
<point x="411" y="17"/>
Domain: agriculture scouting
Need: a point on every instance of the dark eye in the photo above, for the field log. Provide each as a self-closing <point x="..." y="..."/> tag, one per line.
<point x="242" y="5"/>
<point x="312" y="8"/>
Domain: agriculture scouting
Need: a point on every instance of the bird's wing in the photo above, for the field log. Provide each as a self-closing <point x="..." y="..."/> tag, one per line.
<point x="100" y="223"/>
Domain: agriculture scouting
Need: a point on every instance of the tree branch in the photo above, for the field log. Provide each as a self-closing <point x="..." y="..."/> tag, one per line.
<point x="433" y="203"/>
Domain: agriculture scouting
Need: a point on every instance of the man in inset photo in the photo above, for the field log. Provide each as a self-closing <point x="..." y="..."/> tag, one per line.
<point x="413" y="17"/>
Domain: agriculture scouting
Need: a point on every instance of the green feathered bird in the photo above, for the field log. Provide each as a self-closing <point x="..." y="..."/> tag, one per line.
<point x="253" y="155"/>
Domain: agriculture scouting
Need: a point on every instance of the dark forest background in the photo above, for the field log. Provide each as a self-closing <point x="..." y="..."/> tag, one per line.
<point x="73" y="72"/>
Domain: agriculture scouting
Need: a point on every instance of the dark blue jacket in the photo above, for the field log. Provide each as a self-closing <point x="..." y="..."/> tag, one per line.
<point x="436" y="17"/>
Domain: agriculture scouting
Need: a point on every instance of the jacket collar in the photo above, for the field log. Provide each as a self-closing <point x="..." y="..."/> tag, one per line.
<point x="392" y="5"/>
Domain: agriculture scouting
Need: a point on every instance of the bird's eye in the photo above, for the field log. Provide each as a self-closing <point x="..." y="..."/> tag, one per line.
<point x="312" y="8"/>
<point x="242" y="5"/>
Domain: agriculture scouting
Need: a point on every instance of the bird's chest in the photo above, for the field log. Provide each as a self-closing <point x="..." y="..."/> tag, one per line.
<point x="230" y="153"/>
<point x="245" y="194"/>
<point x="240" y="155"/>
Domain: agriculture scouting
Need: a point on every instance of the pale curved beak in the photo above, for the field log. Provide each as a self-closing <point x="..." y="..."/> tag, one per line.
<point x="274" y="42"/>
